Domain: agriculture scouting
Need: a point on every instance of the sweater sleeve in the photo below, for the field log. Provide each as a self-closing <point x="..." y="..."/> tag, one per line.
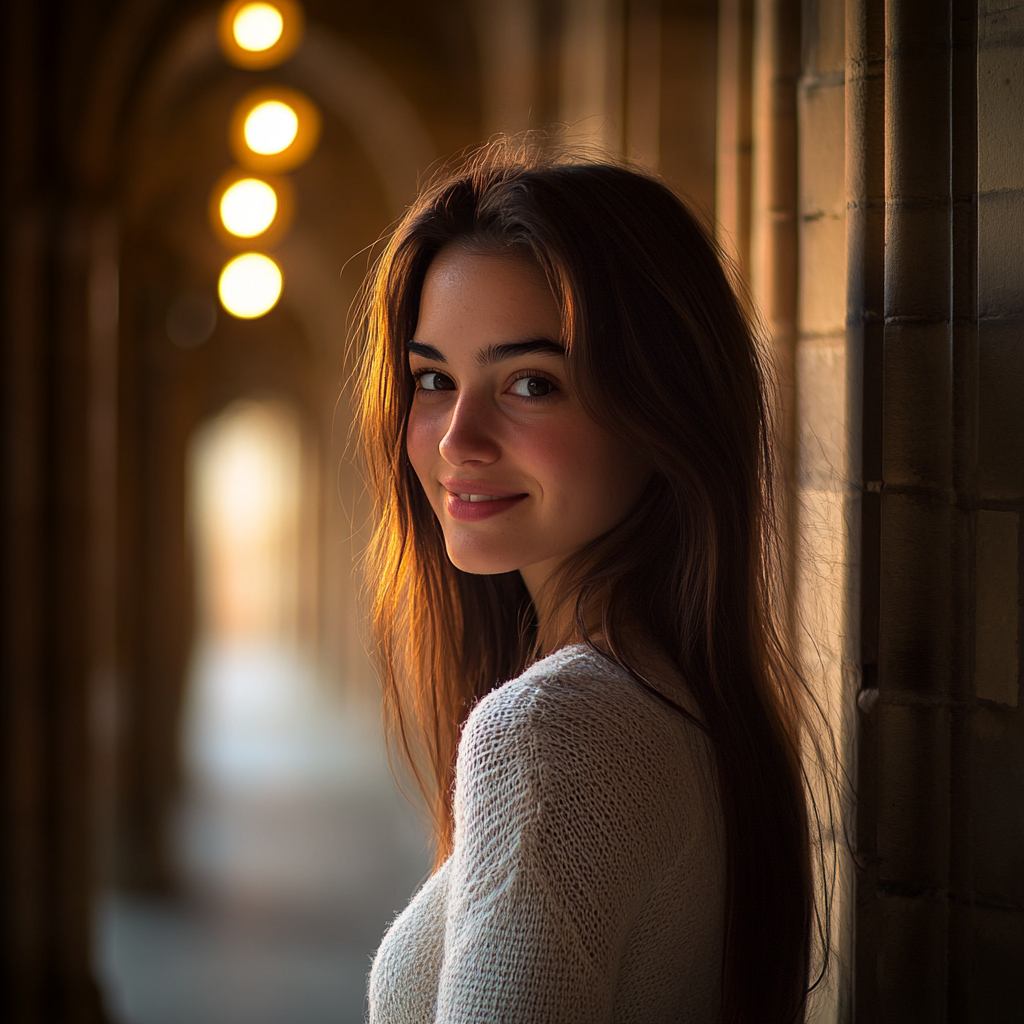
<point x="555" y="847"/>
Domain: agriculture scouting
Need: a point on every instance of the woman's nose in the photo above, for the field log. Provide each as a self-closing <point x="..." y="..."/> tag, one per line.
<point x="471" y="436"/>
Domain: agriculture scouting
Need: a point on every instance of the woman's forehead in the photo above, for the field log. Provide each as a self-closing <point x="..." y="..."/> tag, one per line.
<point x="495" y="299"/>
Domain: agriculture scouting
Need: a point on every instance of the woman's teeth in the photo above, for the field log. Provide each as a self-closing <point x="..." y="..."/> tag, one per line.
<point x="479" y="497"/>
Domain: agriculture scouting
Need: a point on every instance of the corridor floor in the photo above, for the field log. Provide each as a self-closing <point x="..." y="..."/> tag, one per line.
<point x="295" y="852"/>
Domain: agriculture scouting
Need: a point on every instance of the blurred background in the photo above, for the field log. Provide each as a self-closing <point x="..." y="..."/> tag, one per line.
<point x="255" y="844"/>
<point x="198" y="823"/>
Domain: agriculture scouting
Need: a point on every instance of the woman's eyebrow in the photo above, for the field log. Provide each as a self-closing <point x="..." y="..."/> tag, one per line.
<point x="498" y="353"/>
<point x="493" y="353"/>
<point x="417" y="348"/>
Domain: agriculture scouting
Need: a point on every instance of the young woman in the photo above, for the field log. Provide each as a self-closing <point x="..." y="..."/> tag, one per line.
<point x="566" y="430"/>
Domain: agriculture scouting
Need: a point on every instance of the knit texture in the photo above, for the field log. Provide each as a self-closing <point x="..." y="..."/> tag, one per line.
<point x="586" y="882"/>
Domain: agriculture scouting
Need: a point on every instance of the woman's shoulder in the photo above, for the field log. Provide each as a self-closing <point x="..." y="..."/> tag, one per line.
<point x="563" y="677"/>
<point x="578" y="678"/>
<point x="577" y="701"/>
<point x="578" y="745"/>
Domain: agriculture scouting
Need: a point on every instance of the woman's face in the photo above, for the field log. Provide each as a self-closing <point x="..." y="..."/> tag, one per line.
<point x="517" y="473"/>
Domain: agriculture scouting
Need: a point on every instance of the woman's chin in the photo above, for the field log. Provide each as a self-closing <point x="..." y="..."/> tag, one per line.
<point x="482" y="563"/>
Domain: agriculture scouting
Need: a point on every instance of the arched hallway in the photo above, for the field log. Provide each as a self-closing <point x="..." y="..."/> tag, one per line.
<point x="862" y="160"/>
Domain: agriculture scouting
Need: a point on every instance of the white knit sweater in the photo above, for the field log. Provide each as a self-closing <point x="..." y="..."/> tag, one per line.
<point x="587" y="878"/>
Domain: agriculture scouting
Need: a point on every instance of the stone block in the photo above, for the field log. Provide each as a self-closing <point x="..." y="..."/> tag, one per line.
<point x="913" y="804"/>
<point x="996" y="606"/>
<point x="823" y="155"/>
<point x="915" y="614"/>
<point x="997" y="805"/>
<point x="917" y="255"/>
<point x="911" y="959"/>
<point x="1000" y="251"/>
<point x="1001" y="410"/>
<point x="1000" y="96"/>
<point x="917" y="399"/>
<point x="821" y="412"/>
<point x="822" y="284"/>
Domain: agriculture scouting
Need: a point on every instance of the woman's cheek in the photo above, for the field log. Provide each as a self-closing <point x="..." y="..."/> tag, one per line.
<point x="551" y="449"/>
<point x="420" y="441"/>
<point x="589" y="473"/>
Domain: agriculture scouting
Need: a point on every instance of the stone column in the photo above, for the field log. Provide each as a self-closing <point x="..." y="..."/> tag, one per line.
<point x="940" y="918"/>
<point x="865" y="226"/>
<point x="991" y="850"/>
<point x="46" y="574"/>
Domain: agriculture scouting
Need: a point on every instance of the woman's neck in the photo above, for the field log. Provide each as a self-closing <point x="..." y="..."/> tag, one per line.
<point x="556" y="613"/>
<point x="558" y="624"/>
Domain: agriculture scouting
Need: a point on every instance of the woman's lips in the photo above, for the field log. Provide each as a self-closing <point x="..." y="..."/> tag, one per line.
<point x="472" y="511"/>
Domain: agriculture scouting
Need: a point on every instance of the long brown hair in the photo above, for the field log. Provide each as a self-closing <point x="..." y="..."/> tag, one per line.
<point x="654" y="333"/>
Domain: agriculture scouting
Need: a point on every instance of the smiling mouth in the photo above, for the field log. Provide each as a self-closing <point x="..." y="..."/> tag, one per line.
<point x="466" y="507"/>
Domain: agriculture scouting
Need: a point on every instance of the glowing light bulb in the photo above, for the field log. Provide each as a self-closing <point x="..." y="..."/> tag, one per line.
<point x="270" y="127"/>
<point x="250" y="285"/>
<point x="273" y="129"/>
<point x="256" y="27"/>
<point x="248" y="207"/>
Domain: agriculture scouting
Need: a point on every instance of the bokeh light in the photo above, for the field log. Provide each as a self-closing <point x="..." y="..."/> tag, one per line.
<point x="245" y="204"/>
<point x="274" y="129"/>
<point x="250" y="285"/>
<point x="259" y="34"/>
<point x="248" y="207"/>
<point x="271" y="127"/>
<point x="257" y="26"/>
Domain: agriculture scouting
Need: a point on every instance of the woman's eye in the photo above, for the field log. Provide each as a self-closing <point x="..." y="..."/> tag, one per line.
<point x="532" y="387"/>
<point x="434" y="381"/>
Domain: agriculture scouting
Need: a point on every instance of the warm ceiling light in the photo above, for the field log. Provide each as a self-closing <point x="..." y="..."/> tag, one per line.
<point x="274" y="129"/>
<point x="258" y="34"/>
<point x="250" y="285"/>
<point x="248" y="207"/>
<point x="256" y="27"/>
<point x="271" y="127"/>
<point x="244" y="205"/>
